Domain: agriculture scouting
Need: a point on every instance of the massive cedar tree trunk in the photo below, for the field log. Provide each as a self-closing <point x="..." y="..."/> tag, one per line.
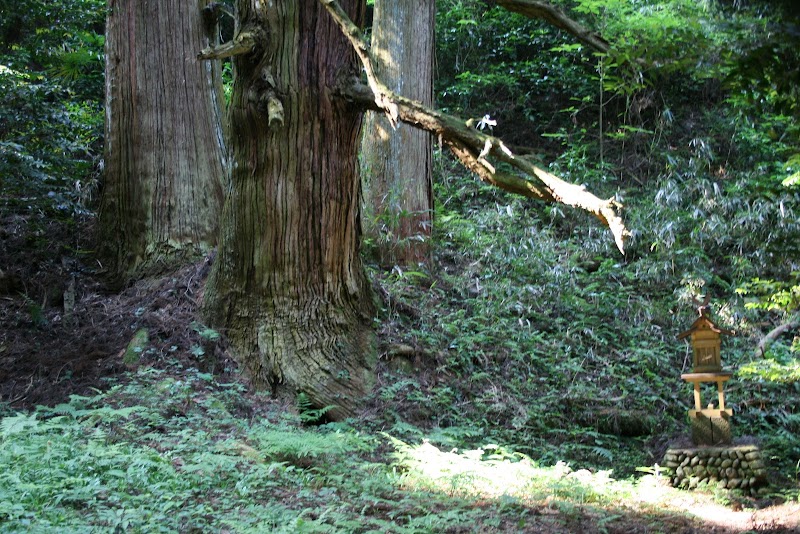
<point x="288" y="287"/>
<point x="398" y="164"/>
<point x="164" y="153"/>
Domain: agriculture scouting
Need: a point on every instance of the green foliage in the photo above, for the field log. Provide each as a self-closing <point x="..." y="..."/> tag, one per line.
<point x="205" y="332"/>
<point x="761" y="67"/>
<point x="525" y="346"/>
<point x="51" y="167"/>
<point x="673" y="34"/>
<point x="556" y="345"/>
<point x="308" y="413"/>
<point x="496" y="62"/>
<point x="64" y="39"/>
<point x="532" y="331"/>
<point x="75" y="466"/>
<point x="781" y="365"/>
<point x="166" y="452"/>
<point x="304" y="448"/>
<point x="51" y="90"/>
<point x="494" y="471"/>
<point x="792" y="167"/>
<point x="773" y="295"/>
<point x="36" y="312"/>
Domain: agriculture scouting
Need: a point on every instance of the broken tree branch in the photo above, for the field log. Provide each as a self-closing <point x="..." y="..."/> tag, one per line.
<point x="274" y="110"/>
<point x="472" y="148"/>
<point x="469" y="145"/>
<point x="774" y="334"/>
<point x="379" y="90"/>
<point x="244" y="43"/>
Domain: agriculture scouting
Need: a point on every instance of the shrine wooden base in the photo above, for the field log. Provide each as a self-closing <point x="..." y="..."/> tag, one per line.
<point x="711" y="427"/>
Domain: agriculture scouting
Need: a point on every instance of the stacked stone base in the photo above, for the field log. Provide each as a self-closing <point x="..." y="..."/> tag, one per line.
<point x="730" y="467"/>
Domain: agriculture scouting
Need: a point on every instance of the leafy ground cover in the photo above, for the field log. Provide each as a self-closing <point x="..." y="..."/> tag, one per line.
<point x="511" y="399"/>
<point x="174" y="449"/>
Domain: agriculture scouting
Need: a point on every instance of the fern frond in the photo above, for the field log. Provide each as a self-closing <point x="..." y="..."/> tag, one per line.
<point x="18" y="424"/>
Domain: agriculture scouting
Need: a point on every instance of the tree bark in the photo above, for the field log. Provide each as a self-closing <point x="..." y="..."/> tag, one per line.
<point x="398" y="163"/>
<point x="164" y="153"/>
<point x="288" y="287"/>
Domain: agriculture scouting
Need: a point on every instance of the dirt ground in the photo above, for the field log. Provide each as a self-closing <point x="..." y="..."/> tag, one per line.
<point x="61" y="331"/>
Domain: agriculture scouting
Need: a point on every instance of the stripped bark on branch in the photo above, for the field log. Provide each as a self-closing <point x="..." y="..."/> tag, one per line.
<point x="382" y="94"/>
<point x="244" y="43"/>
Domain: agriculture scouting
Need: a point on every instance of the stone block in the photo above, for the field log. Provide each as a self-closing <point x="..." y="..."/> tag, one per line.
<point x="720" y="466"/>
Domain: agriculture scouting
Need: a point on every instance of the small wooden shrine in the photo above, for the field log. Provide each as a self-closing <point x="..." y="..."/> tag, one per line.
<point x="710" y="425"/>
<point x="714" y="460"/>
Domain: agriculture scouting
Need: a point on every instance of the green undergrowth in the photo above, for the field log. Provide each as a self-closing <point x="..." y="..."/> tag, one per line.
<point x="528" y="327"/>
<point x="53" y="169"/>
<point x="532" y="330"/>
<point x="175" y="450"/>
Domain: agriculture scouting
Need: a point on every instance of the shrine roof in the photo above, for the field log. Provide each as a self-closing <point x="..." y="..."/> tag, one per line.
<point x="702" y="321"/>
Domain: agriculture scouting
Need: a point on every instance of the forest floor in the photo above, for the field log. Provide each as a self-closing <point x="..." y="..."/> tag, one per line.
<point x="64" y="333"/>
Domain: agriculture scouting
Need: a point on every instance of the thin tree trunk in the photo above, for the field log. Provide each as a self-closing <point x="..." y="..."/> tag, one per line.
<point x="288" y="287"/>
<point x="774" y="334"/>
<point x="397" y="164"/>
<point x="164" y="154"/>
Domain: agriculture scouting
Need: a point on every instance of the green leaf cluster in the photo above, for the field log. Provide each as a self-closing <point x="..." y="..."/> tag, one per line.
<point x="53" y="167"/>
<point x="51" y="91"/>
<point x="64" y="39"/>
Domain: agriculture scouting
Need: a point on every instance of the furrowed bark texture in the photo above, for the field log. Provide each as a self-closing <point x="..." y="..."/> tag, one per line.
<point x="397" y="163"/>
<point x="164" y="152"/>
<point x="288" y="287"/>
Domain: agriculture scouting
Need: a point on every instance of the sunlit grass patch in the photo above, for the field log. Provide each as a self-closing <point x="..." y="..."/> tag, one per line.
<point x="494" y="472"/>
<point x="771" y="371"/>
